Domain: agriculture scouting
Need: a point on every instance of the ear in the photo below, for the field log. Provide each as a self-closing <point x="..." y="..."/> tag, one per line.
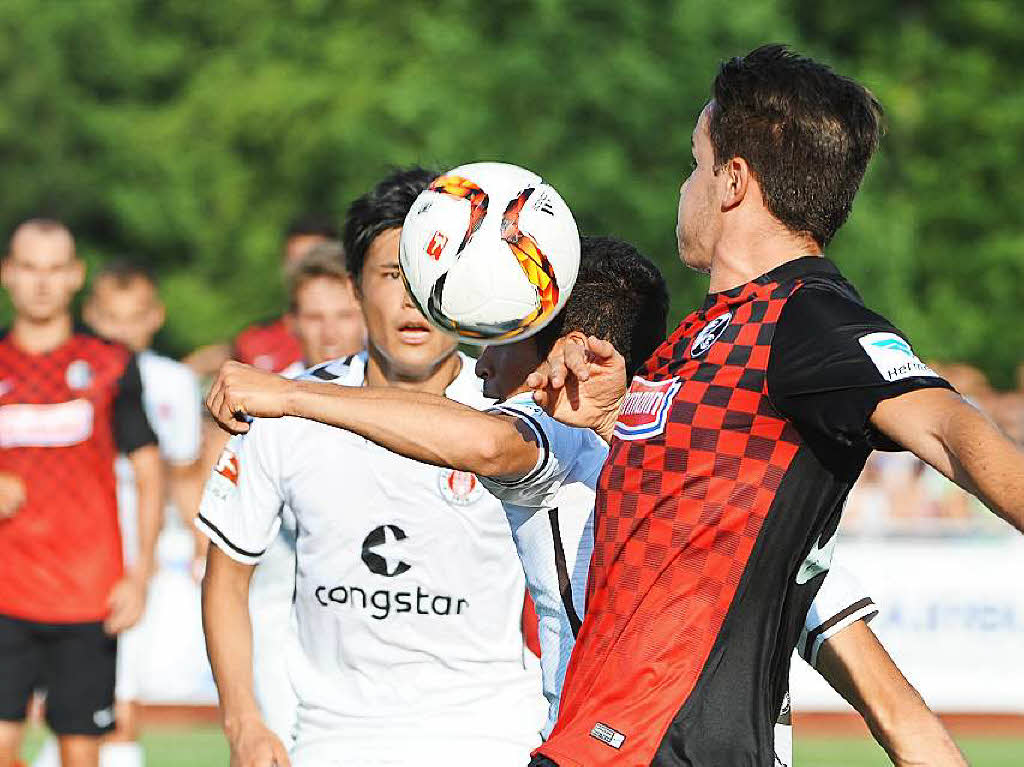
<point x="160" y="312"/>
<point x="78" y="274"/>
<point x="737" y="180"/>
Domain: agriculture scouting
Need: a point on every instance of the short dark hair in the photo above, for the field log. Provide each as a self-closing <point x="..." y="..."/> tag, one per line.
<point x="619" y="296"/>
<point x="383" y="207"/>
<point x="806" y="132"/>
<point x="325" y="259"/>
<point x="123" y="272"/>
<point x="312" y="224"/>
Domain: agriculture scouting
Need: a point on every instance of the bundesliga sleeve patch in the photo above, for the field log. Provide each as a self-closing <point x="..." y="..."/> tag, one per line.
<point x="893" y="357"/>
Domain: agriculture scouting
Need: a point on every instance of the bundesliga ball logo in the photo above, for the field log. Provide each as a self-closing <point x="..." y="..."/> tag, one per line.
<point x="489" y="253"/>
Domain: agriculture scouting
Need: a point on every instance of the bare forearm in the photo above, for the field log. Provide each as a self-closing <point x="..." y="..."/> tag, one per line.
<point x="421" y="426"/>
<point x="983" y="461"/>
<point x="857" y="666"/>
<point x="228" y="629"/>
<point x="940" y="428"/>
<point x="149" y="480"/>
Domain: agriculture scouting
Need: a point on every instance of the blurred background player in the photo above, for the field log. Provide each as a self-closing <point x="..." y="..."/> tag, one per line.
<point x="269" y="345"/>
<point x="409" y="594"/>
<point x="70" y="401"/>
<point x="545" y="473"/>
<point x="123" y="305"/>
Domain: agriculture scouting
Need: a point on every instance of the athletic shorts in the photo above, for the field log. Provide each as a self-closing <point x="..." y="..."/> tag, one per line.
<point x="73" y="663"/>
<point x="542" y="761"/>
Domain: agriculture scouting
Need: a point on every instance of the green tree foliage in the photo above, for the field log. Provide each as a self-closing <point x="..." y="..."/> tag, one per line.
<point x="188" y="133"/>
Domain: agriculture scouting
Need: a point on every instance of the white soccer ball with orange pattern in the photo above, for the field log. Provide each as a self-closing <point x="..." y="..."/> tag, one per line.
<point x="489" y="252"/>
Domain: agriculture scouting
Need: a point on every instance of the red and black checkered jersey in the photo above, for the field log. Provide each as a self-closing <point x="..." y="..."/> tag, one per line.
<point x="732" y="456"/>
<point x="64" y="415"/>
<point x="268" y="345"/>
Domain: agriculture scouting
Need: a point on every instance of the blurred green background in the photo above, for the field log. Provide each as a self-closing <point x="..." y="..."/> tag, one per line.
<point x="187" y="133"/>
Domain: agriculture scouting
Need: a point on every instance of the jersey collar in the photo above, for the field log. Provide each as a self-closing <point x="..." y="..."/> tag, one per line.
<point x="786" y="272"/>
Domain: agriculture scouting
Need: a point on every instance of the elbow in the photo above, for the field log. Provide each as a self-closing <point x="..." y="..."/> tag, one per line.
<point x="488" y="457"/>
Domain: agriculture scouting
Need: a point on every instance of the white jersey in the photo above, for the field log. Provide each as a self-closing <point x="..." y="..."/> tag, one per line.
<point x="408" y="593"/>
<point x="840" y="602"/>
<point x="551" y="514"/>
<point x="173" y="403"/>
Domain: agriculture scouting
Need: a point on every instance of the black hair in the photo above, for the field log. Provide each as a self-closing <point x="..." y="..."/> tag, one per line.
<point x="312" y="224"/>
<point x="383" y="207"/>
<point x="123" y="272"/>
<point x="619" y="296"/>
<point x="806" y="132"/>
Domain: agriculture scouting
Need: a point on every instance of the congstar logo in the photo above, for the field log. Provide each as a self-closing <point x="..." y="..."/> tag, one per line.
<point x="382" y="552"/>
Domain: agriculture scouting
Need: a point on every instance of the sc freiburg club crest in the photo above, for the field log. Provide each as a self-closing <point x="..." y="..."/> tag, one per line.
<point x="382" y="553"/>
<point x="709" y="334"/>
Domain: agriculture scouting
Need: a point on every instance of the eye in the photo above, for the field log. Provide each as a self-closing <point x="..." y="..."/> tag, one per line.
<point x="393" y="274"/>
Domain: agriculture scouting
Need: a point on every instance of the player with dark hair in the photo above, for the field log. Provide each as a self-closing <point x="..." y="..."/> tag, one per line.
<point x="408" y="594"/>
<point x="69" y="402"/>
<point x="735" y="446"/>
<point x="545" y="475"/>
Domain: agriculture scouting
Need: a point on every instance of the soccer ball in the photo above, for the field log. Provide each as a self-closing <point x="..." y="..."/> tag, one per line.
<point x="489" y="253"/>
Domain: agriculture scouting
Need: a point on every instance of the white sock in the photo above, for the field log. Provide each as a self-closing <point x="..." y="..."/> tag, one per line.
<point x="49" y="754"/>
<point x="121" y="754"/>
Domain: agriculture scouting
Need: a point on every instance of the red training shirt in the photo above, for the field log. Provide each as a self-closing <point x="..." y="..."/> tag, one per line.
<point x="64" y="415"/>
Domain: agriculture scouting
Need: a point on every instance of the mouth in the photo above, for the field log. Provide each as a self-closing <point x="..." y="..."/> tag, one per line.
<point x="414" y="333"/>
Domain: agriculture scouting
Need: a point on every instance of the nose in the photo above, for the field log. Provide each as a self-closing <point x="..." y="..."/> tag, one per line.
<point x="483" y="366"/>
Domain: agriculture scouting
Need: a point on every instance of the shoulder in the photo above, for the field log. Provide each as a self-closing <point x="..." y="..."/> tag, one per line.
<point x="338" y="371"/>
<point x="260" y="328"/>
<point x="170" y="370"/>
<point x="101" y="352"/>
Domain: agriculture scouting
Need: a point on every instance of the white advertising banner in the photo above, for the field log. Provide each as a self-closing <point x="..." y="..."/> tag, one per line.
<point x="951" y="615"/>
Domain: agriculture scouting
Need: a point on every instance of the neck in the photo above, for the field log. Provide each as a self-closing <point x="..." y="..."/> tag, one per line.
<point x="39" y="337"/>
<point x="740" y="258"/>
<point x="380" y="372"/>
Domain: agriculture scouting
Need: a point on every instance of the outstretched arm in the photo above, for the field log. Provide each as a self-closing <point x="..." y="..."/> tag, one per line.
<point x="944" y="430"/>
<point x="424" y="427"/>
<point x="857" y="666"/>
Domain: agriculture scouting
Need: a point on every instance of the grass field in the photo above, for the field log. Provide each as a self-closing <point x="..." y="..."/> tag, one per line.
<point x="205" y="747"/>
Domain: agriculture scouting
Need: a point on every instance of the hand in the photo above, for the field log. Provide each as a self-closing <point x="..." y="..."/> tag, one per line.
<point x="581" y="383"/>
<point x="12" y="494"/>
<point x="241" y="390"/>
<point x="127" y="601"/>
<point x="254" y="745"/>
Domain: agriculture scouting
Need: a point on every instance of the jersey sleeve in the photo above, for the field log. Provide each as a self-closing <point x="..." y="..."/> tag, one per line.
<point x="840" y="602"/>
<point x="559" y="448"/>
<point x="241" y="506"/>
<point x="132" y="429"/>
<point x="180" y="444"/>
<point x="833" y="361"/>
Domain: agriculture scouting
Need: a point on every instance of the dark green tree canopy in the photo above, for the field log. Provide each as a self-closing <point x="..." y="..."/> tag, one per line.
<point x="187" y="133"/>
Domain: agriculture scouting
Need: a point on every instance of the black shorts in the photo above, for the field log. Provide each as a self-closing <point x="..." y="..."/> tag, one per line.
<point x="74" y="663"/>
<point x="542" y="761"/>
